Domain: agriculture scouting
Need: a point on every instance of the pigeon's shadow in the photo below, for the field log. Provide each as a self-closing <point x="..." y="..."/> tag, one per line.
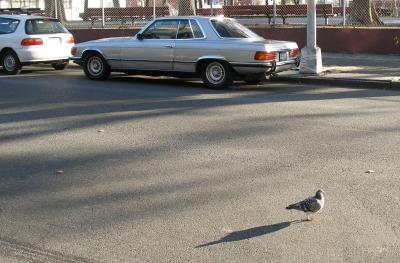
<point x="250" y="233"/>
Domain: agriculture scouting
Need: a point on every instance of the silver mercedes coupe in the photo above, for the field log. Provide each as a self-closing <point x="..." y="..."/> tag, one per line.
<point x="217" y="49"/>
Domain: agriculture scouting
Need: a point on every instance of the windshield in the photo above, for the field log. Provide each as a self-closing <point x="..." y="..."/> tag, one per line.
<point x="231" y="28"/>
<point x="8" y="25"/>
<point x="44" y="26"/>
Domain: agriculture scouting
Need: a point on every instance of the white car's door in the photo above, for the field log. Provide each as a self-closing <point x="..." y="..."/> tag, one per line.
<point x="153" y="49"/>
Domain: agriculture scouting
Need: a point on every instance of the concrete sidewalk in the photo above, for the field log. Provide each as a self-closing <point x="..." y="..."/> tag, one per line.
<point x="379" y="71"/>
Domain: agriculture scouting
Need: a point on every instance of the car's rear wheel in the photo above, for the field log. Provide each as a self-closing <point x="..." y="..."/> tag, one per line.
<point x="254" y="78"/>
<point x="217" y="74"/>
<point x="96" y="67"/>
<point x="10" y="62"/>
<point x="59" y="66"/>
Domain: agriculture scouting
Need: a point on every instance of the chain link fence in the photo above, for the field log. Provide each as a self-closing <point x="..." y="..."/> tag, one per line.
<point x="135" y="13"/>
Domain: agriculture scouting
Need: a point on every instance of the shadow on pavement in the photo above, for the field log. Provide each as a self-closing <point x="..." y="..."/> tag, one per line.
<point x="251" y="232"/>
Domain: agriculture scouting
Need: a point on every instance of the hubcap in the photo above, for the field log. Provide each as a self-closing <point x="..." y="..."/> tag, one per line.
<point x="10" y="63"/>
<point x="95" y="66"/>
<point x="215" y="73"/>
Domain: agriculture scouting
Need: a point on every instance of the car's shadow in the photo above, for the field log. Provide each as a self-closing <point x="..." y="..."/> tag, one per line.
<point x="194" y="82"/>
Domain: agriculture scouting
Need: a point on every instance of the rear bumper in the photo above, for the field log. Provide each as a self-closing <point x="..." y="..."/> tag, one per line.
<point x="265" y="67"/>
<point x="42" y="53"/>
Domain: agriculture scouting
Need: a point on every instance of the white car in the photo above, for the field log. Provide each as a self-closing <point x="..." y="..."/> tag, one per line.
<point x="26" y="39"/>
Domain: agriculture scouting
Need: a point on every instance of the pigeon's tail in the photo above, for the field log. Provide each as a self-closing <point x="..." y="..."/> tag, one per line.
<point x="297" y="206"/>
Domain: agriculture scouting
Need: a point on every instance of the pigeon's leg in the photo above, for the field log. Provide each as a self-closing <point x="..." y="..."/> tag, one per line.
<point x="309" y="218"/>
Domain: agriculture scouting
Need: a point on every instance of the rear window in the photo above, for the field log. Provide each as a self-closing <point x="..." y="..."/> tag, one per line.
<point x="8" y="25"/>
<point x="232" y="29"/>
<point x="44" y="26"/>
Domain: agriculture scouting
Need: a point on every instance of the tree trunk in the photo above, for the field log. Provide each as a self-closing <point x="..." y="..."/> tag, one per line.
<point x="363" y="12"/>
<point x="85" y="10"/>
<point x="186" y="8"/>
<point x="50" y="10"/>
<point x="116" y="3"/>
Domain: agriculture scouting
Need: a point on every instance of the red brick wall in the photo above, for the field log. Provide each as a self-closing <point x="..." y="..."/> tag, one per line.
<point x="339" y="40"/>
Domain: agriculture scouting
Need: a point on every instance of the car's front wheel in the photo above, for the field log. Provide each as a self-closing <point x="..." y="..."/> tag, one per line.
<point x="96" y="67"/>
<point x="10" y="63"/>
<point x="217" y="74"/>
<point x="59" y="66"/>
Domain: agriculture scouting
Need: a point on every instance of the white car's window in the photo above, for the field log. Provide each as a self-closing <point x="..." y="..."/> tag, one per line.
<point x="8" y="25"/>
<point x="44" y="26"/>
<point x="162" y="29"/>
<point x="196" y="29"/>
<point x="184" y="31"/>
<point x="232" y="29"/>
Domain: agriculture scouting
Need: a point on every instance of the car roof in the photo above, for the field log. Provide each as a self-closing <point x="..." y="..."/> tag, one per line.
<point x="24" y="17"/>
<point x="192" y="17"/>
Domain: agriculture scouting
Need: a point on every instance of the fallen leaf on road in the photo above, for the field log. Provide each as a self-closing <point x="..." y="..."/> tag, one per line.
<point x="100" y="130"/>
<point x="60" y="172"/>
<point x="370" y="171"/>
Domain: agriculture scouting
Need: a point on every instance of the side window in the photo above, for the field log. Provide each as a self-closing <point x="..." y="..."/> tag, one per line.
<point x="162" y="29"/>
<point x="8" y="25"/>
<point x="196" y="29"/>
<point x="184" y="31"/>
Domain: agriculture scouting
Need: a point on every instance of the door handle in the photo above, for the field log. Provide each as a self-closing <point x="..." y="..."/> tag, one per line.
<point x="168" y="46"/>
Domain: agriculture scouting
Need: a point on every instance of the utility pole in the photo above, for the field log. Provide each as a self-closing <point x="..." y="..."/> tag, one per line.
<point x="311" y="58"/>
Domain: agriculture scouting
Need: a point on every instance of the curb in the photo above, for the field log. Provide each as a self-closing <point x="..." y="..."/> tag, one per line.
<point x="355" y="83"/>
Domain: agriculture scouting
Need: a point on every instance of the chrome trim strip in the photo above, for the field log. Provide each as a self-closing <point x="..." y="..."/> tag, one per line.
<point x="140" y="60"/>
<point x="251" y="65"/>
<point x="185" y="62"/>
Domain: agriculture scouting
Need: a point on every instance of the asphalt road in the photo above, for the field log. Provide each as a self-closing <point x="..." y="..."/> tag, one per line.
<point x="164" y="170"/>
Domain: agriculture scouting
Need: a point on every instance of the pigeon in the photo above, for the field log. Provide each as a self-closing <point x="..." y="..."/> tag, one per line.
<point x="311" y="205"/>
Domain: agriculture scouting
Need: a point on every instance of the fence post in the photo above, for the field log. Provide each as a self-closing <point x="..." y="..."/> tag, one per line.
<point x="55" y="9"/>
<point x="154" y="9"/>
<point x="274" y="15"/>
<point x="103" y="21"/>
<point x="344" y="12"/>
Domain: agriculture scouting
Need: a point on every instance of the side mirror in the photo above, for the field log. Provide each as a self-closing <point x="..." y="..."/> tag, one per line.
<point x="139" y="36"/>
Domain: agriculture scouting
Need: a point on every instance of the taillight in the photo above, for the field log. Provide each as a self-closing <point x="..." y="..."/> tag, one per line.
<point x="32" y="42"/>
<point x="294" y="53"/>
<point x="264" y="55"/>
<point x="74" y="50"/>
<point x="70" y="40"/>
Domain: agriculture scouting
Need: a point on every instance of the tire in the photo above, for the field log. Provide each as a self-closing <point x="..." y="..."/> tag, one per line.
<point x="217" y="74"/>
<point x="254" y="78"/>
<point x="10" y="63"/>
<point x="59" y="66"/>
<point x="96" y="67"/>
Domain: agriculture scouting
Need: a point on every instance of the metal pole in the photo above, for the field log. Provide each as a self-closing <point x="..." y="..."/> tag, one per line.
<point x="103" y="21"/>
<point x="344" y="12"/>
<point x="311" y="59"/>
<point x="212" y="11"/>
<point x="311" y="24"/>
<point x="154" y="9"/>
<point x="274" y="8"/>
<point x="55" y="9"/>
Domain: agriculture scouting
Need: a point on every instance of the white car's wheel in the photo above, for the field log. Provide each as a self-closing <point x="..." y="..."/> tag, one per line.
<point x="96" y="67"/>
<point x="59" y="66"/>
<point x="10" y="63"/>
<point x="217" y="74"/>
